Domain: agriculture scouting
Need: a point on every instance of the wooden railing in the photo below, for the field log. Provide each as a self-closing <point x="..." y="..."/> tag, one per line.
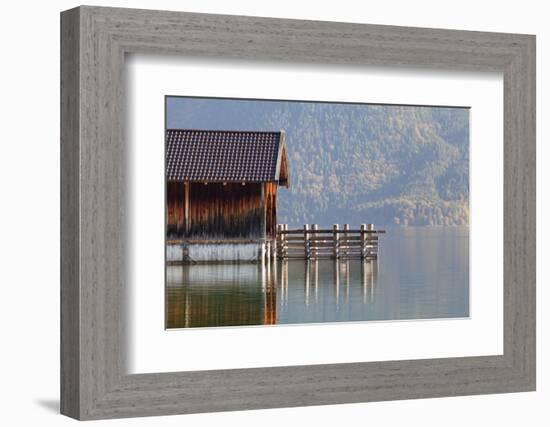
<point x="336" y="243"/>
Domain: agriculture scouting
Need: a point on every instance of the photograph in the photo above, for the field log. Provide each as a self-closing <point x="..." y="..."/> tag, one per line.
<point x="286" y="212"/>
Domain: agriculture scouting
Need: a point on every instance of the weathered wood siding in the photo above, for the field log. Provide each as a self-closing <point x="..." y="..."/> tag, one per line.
<point x="217" y="211"/>
<point x="175" y="209"/>
<point x="270" y="203"/>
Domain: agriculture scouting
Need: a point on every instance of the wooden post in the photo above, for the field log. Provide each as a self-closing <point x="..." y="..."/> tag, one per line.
<point x="281" y="243"/>
<point x="314" y="243"/>
<point x="335" y="238"/>
<point x="262" y="211"/>
<point x="285" y="242"/>
<point x="370" y="241"/>
<point x="363" y="241"/>
<point x="186" y="209"/>
<point x="306" y="241"/>
<point x="279" y="238"/>
<point x="346" y="239"/>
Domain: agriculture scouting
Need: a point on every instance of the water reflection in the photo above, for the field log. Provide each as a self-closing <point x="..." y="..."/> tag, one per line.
<point x="420" y="274"/>
<point x="340" y="274"/>
<point x="249" y="294"/>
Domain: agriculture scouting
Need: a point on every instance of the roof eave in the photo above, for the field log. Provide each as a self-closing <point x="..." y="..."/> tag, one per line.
<point x="282" y="151"/>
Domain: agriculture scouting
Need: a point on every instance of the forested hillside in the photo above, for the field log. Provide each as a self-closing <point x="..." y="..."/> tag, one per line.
<point x="388" y="165"/>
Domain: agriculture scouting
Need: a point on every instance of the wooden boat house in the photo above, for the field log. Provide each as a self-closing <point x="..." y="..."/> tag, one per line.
<point x="221" y="193"/>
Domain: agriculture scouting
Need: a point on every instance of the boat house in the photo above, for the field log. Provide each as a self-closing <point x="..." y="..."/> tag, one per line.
<point x="221" y="193"/>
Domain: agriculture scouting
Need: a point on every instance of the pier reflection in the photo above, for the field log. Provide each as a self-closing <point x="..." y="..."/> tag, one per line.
<point x="276" y="292"/>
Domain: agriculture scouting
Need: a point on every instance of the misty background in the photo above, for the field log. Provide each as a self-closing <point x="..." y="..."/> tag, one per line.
<point x="354" y="163"/>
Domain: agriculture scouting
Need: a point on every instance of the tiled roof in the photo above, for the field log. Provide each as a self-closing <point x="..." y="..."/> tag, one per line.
<point x="222" y="156"/>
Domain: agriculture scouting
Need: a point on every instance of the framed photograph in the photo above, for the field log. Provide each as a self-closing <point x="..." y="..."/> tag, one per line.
<point x="262" y="213"/>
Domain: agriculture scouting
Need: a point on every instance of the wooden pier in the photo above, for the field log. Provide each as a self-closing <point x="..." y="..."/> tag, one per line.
<point x="312" y="242"/>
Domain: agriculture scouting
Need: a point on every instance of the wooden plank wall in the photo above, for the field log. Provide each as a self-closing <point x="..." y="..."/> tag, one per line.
<point x="270" y="203"/>
<point x="218" y="211"/>
<point x="175" y="209"/>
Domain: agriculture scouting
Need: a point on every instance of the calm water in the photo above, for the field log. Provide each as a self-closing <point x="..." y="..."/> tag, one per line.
<point x="421" y="273"/>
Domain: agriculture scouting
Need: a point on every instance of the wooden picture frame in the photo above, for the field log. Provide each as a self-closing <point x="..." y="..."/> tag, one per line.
<point x="94" y="41"/>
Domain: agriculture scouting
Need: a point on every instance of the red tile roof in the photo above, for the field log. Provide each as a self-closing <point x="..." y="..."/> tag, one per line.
<point x="223" y="156"/>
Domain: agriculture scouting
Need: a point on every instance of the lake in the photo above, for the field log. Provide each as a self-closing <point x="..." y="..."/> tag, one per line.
<point x="421" y="273"/>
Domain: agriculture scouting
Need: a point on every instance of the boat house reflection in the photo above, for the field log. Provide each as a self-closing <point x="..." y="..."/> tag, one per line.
<point x="209" y="295"/>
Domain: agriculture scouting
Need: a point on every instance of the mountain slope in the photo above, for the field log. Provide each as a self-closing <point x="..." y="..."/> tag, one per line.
<point x="355" y="163"/>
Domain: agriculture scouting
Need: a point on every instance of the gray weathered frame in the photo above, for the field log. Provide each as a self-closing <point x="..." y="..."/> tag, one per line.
<point x="94" y="42"/>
